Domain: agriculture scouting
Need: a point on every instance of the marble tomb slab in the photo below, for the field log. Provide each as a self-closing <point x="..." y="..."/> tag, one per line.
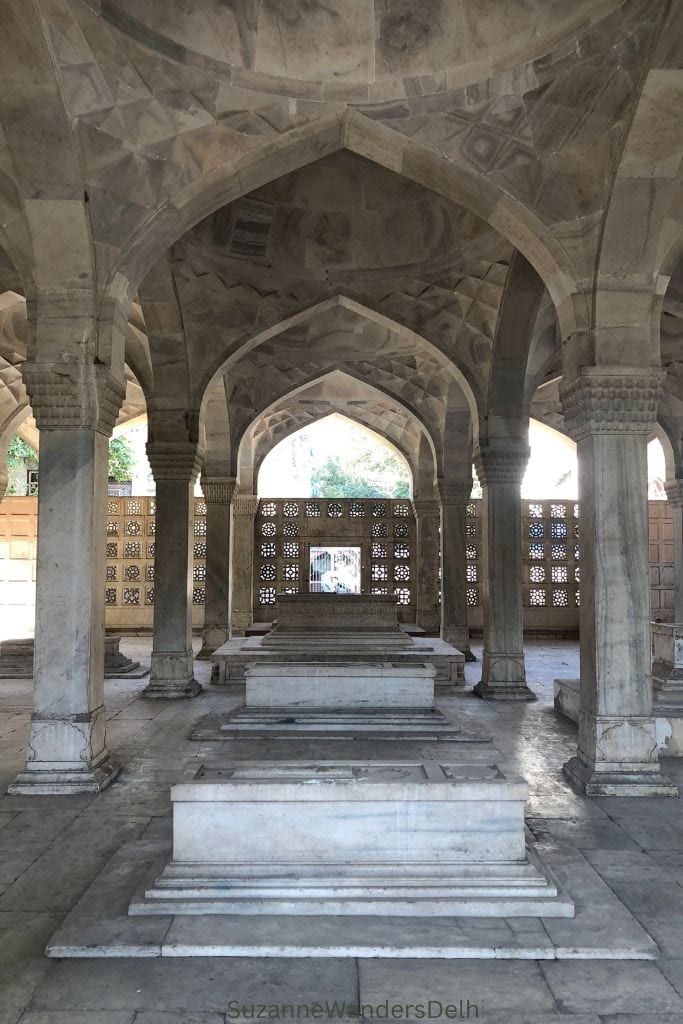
<point x="378" y="838"/>
<point x="232" y="659"/>
<point x="339" y="685"/>
<point x="338" y="629"/>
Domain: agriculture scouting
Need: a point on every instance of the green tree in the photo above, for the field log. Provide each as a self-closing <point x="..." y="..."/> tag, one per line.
<point x="121" y="460"/>
<point x="368" y="472"/>
<point x="19" y="452"/>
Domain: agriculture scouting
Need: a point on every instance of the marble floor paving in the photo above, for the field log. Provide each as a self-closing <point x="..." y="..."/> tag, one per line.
<point x="52" y="850"/>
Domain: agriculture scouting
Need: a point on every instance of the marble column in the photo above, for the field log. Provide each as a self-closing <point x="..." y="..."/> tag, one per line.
<point x="427" y="513"/>
<point x="218" y="493"/>
<point x="500" y="466"/>
<point x="75" y="410"/>
<point x="244" y="507"/>
<point x="674" y="493"/>
<point x="610" y="413"/>
<point x="175" y="466"/>
<point x="454" y="627"/>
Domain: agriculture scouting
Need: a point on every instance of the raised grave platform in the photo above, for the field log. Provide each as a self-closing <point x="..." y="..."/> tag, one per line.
<point x="348" y="628"/>
<point x="347" y="838"/>
<point x="668" y="720"/>
<point x="339" y="685"/>
<point x="16" y="660"/>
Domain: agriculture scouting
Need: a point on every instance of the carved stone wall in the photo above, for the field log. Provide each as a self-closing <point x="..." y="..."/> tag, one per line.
<point x="129" y="583"/>
<point x="551" y="558"/>
<point x="286" y="529"/>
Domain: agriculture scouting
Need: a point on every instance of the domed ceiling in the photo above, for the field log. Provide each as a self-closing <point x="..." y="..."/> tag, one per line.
<point x="354" y="49"/>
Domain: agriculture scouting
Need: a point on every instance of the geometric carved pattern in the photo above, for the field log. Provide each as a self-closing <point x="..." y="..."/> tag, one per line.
<point x="546" y="565"/>
<point x="281" y="563"/>
<point x="133" y="561"/>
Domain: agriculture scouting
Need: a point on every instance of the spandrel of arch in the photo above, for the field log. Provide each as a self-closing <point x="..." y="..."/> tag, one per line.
<point x="292" y="467"/>
<point x="310" y="315"/>
<point x="376" y="142"/>
<point x="356" y="399"/>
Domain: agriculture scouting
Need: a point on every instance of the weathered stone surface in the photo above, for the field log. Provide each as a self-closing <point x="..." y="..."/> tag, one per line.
<point x="452" y="840"/>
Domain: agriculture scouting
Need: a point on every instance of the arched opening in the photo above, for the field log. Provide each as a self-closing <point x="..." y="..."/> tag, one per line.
<point x="335" y="458"/>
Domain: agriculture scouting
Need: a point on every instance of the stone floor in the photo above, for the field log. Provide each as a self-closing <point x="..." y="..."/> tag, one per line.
<point x="52" y="849"/>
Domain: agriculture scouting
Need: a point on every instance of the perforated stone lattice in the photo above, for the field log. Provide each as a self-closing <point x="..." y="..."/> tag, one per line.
<point x="281" y="561"/>
<point x="550" y="571"/>
<point x="132" y="562"/>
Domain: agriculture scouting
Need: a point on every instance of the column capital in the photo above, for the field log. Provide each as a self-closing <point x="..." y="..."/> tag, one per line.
<point x="455" y="492"/>
<point x="218" y="490"/>
<point x="245" y="505"/>
<point x="501" y="461"/>
<point x="73" y="396"/>
<point x="174" y="460"/>
<point x="426" y="507"/>
<point x="611" y="400"/>
<point x="674" y="492"/>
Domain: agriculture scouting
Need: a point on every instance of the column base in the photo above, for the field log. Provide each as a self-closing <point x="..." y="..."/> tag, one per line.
<point x="54" y="778"/>
<point x="458" y="637"/>
<point x="631" y="780"/>
<point x="171" y="689"/>
<point x="171" y="676"/>
<point x="213" y="637"/>
<point x="503" y="691"/>
<point x="205" y="653"/>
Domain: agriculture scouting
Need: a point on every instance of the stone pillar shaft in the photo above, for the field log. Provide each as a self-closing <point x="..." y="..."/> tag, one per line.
<point x="244" y="507"/>
<point x="610" y="413"/>
<point x="454" y="626"/>
<point x="175" y="467"/>
<point x="75" y="410"/>
<point x="218" y="493"/>
<point x="427" y="583"/>
<point x="500" y="466"/>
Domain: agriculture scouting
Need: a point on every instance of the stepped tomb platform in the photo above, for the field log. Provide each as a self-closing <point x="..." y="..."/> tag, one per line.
<point x="16" y="660"/>
<point x="342" y="628"/>
<point x="421" y="838"/>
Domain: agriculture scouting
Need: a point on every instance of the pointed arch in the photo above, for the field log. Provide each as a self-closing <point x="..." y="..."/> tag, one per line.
<point x="222" y="365"/>
<point x="305" y="144"/>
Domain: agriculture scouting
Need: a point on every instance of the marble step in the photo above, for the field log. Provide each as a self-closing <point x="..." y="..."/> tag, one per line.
<point x="99" y="925"/>
<point x="288" y="723"/>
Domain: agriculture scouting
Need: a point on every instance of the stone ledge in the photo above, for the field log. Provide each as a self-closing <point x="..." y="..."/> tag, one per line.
<point x="99" y="925"/>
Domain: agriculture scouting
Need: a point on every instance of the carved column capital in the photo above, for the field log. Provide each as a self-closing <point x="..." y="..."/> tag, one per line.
<point x="174" y="460"/>
<point x="501" y="462"/>
<point x="611" y="400"/>
<point x="674" y="492"/>
<point x="245" y="505"/>
<point x="455" y="492"/>
<point x="426" y="507"/>
<point x="218" y="490"/>
<point x="73" y="396"/>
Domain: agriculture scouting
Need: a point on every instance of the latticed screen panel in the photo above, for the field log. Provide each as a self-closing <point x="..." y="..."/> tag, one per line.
<point x="473" y="543"/>
<point x="550" y="554"/>
<point x="129" y="567"/>
<point x="287" y="529"/>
